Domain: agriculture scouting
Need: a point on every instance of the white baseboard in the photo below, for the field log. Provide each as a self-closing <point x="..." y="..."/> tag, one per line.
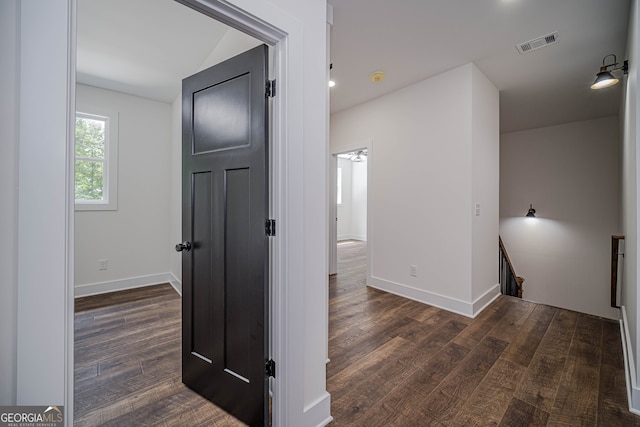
<point x="465" y="308"/>
<point x="129" y="283"/>
<point x="633" y="392"/>
<point x="485" y="299"/>
<point x="318" y="413"/>
<point x="176" y="283"/>
<point x="361" y="237"/>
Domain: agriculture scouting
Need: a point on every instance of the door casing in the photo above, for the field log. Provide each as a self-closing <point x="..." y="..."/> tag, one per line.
<point x="284" y="34"/>
<point x="279" y="40"/>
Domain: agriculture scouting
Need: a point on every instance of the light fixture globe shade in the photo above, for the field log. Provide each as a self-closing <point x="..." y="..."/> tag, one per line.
<point x="604" y="79"/>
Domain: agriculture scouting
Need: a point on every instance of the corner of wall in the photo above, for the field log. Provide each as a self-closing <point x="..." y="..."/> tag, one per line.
<point x="485" y="184"/>
<point x="9" y="82"/>
<point x="630" y="187"/>
<point x="633" y="392"/>
<point x="175" y="221"/>
<point x="316" y="412"/>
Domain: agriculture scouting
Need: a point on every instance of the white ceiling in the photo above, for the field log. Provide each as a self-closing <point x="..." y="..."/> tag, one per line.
<point x="146" y="47"/>
<point x="411" y="40"/>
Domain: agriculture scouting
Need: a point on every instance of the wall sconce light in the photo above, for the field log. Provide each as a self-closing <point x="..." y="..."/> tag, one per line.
<point x="532" y="212"/>
<point x="604" y="78"/>
<point x="331" y="82"/>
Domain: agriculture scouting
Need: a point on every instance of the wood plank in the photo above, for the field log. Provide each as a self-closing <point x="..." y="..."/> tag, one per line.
<point x="128" y="363"/>
<point x="481" y="326"/>
<point x="559" y="335"/>
<point x="369" y="364"/>
<point x="576" y="401"/>
<point x="448" y="400"/>
<point x="109" y="300"/>
<point x="524" y="345"/>
<point x="520" y="413"/>
<point x="350" y="407"/>
<point x="612" y="345"/>
<point x="394" y="362"/>
<point x="489" y="402"/>
<point x="612" y="408"/>
<point x="541" y="381"/>
<point x="516" y="313"/>
<point x="412" y="392"/>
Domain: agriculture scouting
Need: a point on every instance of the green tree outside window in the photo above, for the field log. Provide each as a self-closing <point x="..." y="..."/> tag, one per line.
<point x="90" y="157"/>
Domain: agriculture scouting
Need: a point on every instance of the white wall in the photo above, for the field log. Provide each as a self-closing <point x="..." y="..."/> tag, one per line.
<point x="630" y="211"/>
<point x="176" y="188"/>
<point x="352" y="213"/>
<point x="570" y="173"/>
<point x="306" y="220"/>
<point x="44" y="204"/>
<point x="421" y="191"/>
<point x="9" y="85"/>
<point x="300" y="314"/>
<point x="135" y="237"/>
<point x="344" y="209"/>
<point x="359" y="200"/>
<point x="485" y="181"/>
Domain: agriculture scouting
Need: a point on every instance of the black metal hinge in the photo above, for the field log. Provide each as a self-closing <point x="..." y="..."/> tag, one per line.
<point x="271" y="88"/>
<point x="270" y="227"/>
<point x="270" y="368"/>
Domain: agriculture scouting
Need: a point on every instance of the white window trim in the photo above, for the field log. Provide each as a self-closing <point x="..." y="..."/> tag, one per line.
<point x="110" y="201"/>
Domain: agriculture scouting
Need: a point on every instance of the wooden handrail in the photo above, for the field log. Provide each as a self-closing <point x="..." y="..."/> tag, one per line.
<point x="506" y="255"/>
<point x="615" y="242"/>
<point x="519" y="280"/>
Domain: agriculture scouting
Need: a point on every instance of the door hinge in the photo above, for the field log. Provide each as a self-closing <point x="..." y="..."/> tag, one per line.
<point x="271" y="88"/>
<point x="270" y="227"/>
<point x="270" y="368"/>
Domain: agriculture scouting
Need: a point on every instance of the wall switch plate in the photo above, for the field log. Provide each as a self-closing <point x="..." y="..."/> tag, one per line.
<point x="103" y="264"/>
<point x="413" y="271"/>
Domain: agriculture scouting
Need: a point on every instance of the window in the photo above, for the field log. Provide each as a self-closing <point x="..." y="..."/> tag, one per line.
<point x="339" y="186"/>
<point x="96" y="157"/>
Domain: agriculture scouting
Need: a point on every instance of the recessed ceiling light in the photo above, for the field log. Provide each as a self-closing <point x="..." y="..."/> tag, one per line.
<point x="332" y="83"/>
<point x="377" y="76"/>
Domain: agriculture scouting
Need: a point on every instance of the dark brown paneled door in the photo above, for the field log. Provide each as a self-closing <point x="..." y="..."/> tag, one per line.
<point x="225" y="252"/>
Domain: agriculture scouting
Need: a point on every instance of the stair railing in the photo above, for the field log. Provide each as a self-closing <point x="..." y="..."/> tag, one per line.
<point x="615" y="253"/>
<point x="510" y="283"/>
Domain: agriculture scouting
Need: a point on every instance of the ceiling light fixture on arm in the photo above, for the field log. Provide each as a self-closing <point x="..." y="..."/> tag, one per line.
<point x="604" y="78"/>
<point x="358" y="156"/>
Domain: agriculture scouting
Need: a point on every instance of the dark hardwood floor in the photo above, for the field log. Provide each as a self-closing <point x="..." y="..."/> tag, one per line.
<point x="127" y="363"/>
<point x="397" y="362"/>
<point x="394" y="362"/>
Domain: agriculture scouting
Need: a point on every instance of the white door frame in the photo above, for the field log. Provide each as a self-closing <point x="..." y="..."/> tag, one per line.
<point x="265" y="22"/>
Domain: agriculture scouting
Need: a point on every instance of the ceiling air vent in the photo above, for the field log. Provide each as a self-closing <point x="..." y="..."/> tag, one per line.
<point x="534" y="44"/>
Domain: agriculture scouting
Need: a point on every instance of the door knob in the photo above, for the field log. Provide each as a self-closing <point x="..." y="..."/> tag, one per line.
<point x="184" y="246"/>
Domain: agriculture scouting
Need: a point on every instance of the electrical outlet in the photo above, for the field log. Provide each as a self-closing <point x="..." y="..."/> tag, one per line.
<point x="103" y="264"/>
<point x="413" y="271"/>
<point x="477" y="209"/>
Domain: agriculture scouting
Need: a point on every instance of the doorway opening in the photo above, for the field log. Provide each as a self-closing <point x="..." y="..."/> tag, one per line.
<point x="147" y="108"/>
<point x="350" y="239"/>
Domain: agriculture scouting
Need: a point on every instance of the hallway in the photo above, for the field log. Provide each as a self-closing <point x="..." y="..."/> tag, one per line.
<point x="397" y="362"/>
